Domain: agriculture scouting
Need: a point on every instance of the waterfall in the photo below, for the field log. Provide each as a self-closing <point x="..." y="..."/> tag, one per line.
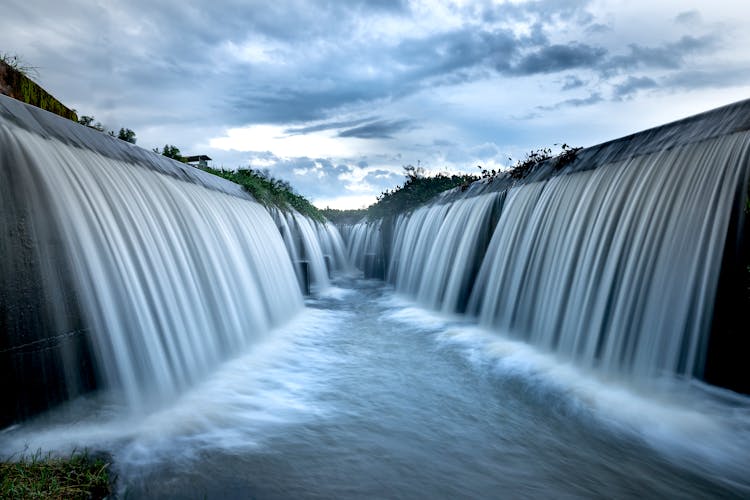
<point x="333" y="246"/>
<point x="365" y="247"/>
<point x="616" y="267"/>
<point x="315" y="247"/>
<point x="170" y="271"/>
<point x="455" y="233"/>
<point x="613" y="263"/>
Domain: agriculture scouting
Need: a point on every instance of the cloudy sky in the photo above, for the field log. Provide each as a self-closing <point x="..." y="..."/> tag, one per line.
<point x="336" y="96"/>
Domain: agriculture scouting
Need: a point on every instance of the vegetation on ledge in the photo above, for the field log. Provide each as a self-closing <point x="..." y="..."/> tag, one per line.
<point x="350" y="216"/>
<point x="269" y="191"/>
<point x="15" y="82"/>
<point x="416" y="191"/>
<point x="522" y="168"/>
<point x="79" y="476"/>
<point x="419" y="189"/>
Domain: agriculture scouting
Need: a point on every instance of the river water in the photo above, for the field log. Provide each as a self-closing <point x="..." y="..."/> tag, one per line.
<point x="364" y="394"/>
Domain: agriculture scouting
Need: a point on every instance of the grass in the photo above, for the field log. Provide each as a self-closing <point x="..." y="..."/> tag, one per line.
<point x="415" y="192"/>
<point x="17" y="76"/>
<point x="38" y="476"/>
<point x="269" y="191"/>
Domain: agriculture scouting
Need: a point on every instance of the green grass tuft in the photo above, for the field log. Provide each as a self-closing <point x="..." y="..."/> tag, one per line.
<point x="38" y="476"/>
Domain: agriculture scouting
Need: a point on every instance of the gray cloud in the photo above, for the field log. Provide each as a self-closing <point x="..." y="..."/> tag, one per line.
<point x="313" y="177"/>
<point x="457" y="50"/>
<point x="556" y="58"/>
<point x="597" y="29"/>
<point x="288" y="105"/>
<point x="381" y="129"/>
<point x="632" y="85"/>
<point x="363" y="128"/>
<point x="688" y="17"/>
<point x="183" y="73"/>
<point x="485" y="151"/>
<point x="668" y="56"/>
<point x="710" y="78"/>
<point x="572" y="82"/>
<point x="383" y="179"/>
<point x="536" y="10"/>
<point x="575" y="103"/>
<point x="326" y="126"/>
<point x="176" y="52"/>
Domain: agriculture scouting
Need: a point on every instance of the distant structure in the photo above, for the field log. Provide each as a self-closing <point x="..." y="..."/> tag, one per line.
<point x="198" y="161"/>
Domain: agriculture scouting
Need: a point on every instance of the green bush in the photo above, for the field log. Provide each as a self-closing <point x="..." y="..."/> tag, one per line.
<point x="417" y="190"/>
<point x="351" y="216"/>
<point x="269" y="191"/>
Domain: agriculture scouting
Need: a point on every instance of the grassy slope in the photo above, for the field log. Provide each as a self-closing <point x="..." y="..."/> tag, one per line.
<point x="78" y="476"/>
<point x="269" y="191"/>
<point x="18" y="86"/>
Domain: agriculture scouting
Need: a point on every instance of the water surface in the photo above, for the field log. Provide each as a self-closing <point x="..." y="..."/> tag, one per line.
<point x="366" y="395"/>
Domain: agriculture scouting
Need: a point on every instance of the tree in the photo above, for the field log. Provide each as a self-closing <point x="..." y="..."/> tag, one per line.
<point x="412" y="173"/>
<point x="89" y="122"/>
<point x="170" y="151"/>
<point x="86" y="120"/>
<point x="126" y="135"/>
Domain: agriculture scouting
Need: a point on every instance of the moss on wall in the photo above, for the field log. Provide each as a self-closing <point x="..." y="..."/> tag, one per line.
<point x="15" y="84"/>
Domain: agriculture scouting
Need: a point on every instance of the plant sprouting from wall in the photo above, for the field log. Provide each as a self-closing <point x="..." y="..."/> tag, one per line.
<point x="17" y="63"/>
<point x="522" y="168"/>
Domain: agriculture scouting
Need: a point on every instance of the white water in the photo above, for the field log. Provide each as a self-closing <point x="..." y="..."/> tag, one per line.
<point x="408" y="404"/>
<point x="615" y="267"/>
<point x="333" y="246"/>
<point x="438" y="258"/>
<point x="622" y="261"/>
<point x="317" y="243"/>
<point x="364" y="239"/>
<point x="363" y="394"/>
<point x="173" y="278"/>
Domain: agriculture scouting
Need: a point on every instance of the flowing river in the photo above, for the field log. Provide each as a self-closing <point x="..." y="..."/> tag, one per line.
<point x="364" y="394"/>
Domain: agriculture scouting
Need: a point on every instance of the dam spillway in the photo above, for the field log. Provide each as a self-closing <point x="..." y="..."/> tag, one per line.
<point x="117" y="262"/>
<point x="613" y="261"/>
<point x="520" y="343"/>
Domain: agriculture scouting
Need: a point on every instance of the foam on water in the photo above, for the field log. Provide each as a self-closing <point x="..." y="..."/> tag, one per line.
<point x="182" y="283"/>
<point x="616" y="267"/>
<point x="267" y="388"/>
<point x="694" y="425"/>
<point x="369" y="395"/>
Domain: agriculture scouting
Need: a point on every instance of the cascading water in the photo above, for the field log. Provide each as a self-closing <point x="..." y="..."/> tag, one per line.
<point x="155" y="273"/>
<point x="311" y="249"/>
<point x="171" y="278"/>
<point x="455" y="233"/>
<point x="111" y="250"/>
<point x="365" y="247"/>
<point x="333" y="246"/>
<point x="317" y="245"/>
<point x="615" y="266"/>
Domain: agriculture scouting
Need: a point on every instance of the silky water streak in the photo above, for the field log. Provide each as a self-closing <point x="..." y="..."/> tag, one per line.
<point x="171" y="277"/>
<point x="613" y="263"/>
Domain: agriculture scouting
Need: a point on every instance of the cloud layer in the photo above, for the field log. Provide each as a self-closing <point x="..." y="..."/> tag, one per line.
<point x="336" y="96"/>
